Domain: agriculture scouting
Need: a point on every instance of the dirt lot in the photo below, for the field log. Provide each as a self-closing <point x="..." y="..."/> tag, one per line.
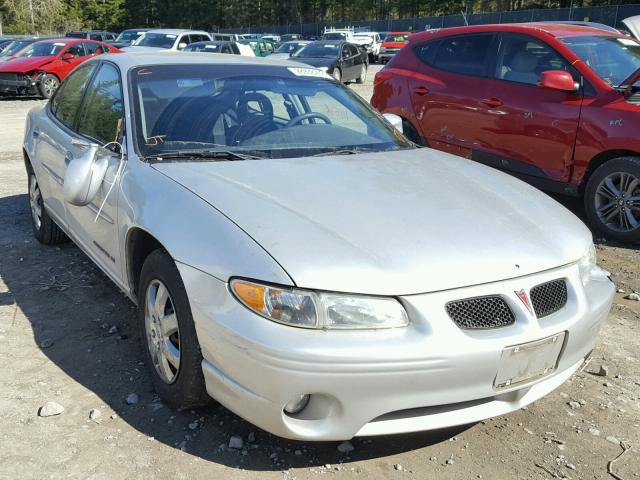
<point x="58" y="343"/>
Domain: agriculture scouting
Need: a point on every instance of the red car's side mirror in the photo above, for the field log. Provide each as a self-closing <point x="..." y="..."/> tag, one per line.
<point x="557" y="80"/>
<point x="68" y="56"/>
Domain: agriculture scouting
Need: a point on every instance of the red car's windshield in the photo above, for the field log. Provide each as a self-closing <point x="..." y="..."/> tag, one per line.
<point x="42" y="49"/>
<point x="613" y="59"/>
<point x="396" y="38"/>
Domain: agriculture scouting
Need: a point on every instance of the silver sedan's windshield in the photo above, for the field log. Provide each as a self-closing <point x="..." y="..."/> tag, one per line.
<point x="265" y="112"/>
<point x="159" y="40"/>
<point x="613" y="59"/>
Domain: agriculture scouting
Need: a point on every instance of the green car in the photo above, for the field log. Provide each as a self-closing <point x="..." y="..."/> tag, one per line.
<point x="261" y="48"/>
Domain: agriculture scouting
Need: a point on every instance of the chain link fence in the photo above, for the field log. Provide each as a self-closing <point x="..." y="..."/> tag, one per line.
<point x="609" y="15"/>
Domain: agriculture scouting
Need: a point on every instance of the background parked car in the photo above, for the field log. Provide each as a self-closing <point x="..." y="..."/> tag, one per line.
<point x="261" y="48"/>
<point x="42" y="66"/>
<point x="14" y="47"/>
<point x="233" y="48"/>
<point x="342" y="60"/>
<point x="371" y="42"/>
<point x="93" y="35"/>
<point x="290" y="37"/>
<point x="284" y="51"/>
<point x="128" y="37"/>
<point x="554" y="104"/>
<point x="392" y="44"/>
<point x="226" y="36"/>
<point x="168" y="39"/>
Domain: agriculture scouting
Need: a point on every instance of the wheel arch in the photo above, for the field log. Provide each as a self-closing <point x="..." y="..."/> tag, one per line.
<point x="600" y="159"/>
<point x="138" y="246"/>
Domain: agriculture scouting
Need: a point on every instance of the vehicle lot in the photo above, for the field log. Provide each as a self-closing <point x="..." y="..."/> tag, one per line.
<point x="68" y="336"/>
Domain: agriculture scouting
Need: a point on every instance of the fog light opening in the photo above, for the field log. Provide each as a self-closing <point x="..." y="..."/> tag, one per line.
<point x="297" y="404"/>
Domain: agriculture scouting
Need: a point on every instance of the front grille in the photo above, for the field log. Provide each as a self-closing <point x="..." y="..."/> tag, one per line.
<point x="549" y="297"/>
<point x="480" y="312"/>
<point x="8" y="76"/>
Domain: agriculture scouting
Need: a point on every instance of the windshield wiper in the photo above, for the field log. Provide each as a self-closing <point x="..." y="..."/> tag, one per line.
<point x="345" y="151"/>
<point x="216" y="155"/>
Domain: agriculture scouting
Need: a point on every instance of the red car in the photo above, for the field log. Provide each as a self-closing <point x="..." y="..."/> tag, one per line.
<point x="392" y="44"/>
<point x="42" y="66"/>
<point x="554" y="104"/>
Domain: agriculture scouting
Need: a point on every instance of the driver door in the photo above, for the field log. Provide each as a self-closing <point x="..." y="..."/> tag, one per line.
<point x="65" y="66"/>
<point x="100" y="121"/>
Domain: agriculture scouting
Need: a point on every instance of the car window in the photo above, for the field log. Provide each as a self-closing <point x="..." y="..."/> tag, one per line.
<point x="522" y="59"/>
<point x="464" y="54"/>
<point x="101" y="117"/>
<point x="76" y="50"/>
<point x="95" y="36"/>
<point x="93" y="48"/>
<point x="345" y="51"/>
<point x="66" y="102"/>
<point x="354" y="50"/>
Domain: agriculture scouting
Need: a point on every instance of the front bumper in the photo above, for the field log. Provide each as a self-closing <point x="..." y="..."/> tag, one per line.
<point x="16" y="84"/>
<point x="429" y="375"/>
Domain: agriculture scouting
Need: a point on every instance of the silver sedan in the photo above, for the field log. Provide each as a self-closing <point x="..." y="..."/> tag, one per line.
<point x="293" y="256"/>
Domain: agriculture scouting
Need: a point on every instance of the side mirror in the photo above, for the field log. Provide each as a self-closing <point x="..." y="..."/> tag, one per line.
<point x="181" y="45"/>
<point x="84" y="175"/>
<point x="557" y="80"/>
<point x="394" y="120"/>
<point x="67" y="56"/>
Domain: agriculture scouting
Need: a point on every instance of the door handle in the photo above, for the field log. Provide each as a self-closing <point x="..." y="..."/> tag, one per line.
<point x="35" y="133"/>
<point x="421" y="91"/>
<point x="492" y="102"/>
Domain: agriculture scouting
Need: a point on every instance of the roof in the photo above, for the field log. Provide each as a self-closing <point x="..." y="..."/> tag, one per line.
<point x="65" y="40"/>
<point x="131" y="59"/>
<point x="553" y="29"/>
<point x="175" y="31"/>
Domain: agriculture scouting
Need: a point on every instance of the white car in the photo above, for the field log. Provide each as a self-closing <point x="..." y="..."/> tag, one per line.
<point x="168" y="39"/>
<point x="295" y="257"/>
<point x="369" y="40"/>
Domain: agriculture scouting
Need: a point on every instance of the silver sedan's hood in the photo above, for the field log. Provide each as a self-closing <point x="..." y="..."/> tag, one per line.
<point x="393" y="223"/>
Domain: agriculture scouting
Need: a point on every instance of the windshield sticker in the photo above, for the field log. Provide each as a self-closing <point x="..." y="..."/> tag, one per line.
<point x="171" y="36"/>
<point x="307" y="72"/>
<point x="189" y="82"/>
<point x="60" y="44"/>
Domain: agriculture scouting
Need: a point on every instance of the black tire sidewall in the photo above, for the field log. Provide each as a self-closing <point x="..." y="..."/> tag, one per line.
<point x="188" y="389"/>
<point x="620" y="164"/>
<point x="49" y="232"/>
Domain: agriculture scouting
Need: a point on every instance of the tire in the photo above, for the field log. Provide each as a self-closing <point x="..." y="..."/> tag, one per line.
<point x="44" y="228"/>
<point x="363" y="74"/>
<point x="612" y="199"/>
<point x="337" y="75"/>
<point x="412" y="134"/>
<point x="180" y="386"/>
<point x="48" y="85"/>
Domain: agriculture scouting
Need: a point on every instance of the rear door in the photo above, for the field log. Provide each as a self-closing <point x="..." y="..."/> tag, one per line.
<point x="451" y="87"/>
<point x="100" y="121"/>
<point x="53" y="139"/>
<point x="532" y="130"/>
<point x="348" y="63"/>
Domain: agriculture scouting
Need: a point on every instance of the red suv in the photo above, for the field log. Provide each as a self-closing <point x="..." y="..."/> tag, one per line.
<point x="554" y="104"/>
<point x="40" y="67"/>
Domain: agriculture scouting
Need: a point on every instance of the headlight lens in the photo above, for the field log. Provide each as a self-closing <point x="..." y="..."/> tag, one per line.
<point x="323" y="69"/>
<point x="311" y="309"/>
<point x="587" y="264"/>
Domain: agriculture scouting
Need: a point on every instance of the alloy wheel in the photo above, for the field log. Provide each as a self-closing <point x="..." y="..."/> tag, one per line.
<point x="163" y="333"/>
<point x="35" y="201"/>
<point x="50" y="85"/>
<point x="617" y="202"/>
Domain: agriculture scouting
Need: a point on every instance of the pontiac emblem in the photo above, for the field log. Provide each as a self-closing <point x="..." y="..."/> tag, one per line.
<point x="522" y="295"/>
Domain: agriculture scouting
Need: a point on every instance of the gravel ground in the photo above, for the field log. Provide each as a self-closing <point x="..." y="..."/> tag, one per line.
<point x="67" y="337"/>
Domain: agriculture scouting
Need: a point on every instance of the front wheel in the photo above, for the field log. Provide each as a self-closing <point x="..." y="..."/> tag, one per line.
<point x="612" y="199"/>
<point x="48" y="85"/>
<point x="170" y="344"/>
<point x="44" y="228"/>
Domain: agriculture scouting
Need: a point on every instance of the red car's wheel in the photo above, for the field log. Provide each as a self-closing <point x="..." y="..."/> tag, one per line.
<point x="48" y="85"/>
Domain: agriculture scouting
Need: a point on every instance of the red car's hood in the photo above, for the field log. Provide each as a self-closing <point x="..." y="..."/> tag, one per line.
<point x="24" y="65"/>
<point x="393" y="44"/>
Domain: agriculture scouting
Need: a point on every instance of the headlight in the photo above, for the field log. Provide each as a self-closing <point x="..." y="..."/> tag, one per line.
<point x="587" y="264"/>
<point x="323" y="69"/>
<point x="312" y="309"/>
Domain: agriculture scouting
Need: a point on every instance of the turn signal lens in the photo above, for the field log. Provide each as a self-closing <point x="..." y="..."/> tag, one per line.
<point x="252" y="295"/>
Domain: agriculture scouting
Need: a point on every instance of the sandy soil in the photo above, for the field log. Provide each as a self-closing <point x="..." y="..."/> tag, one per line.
<point x="57" y="344"/>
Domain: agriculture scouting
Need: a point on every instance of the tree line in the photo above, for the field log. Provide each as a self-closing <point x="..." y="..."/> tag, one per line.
<point x="56" y="16"/>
